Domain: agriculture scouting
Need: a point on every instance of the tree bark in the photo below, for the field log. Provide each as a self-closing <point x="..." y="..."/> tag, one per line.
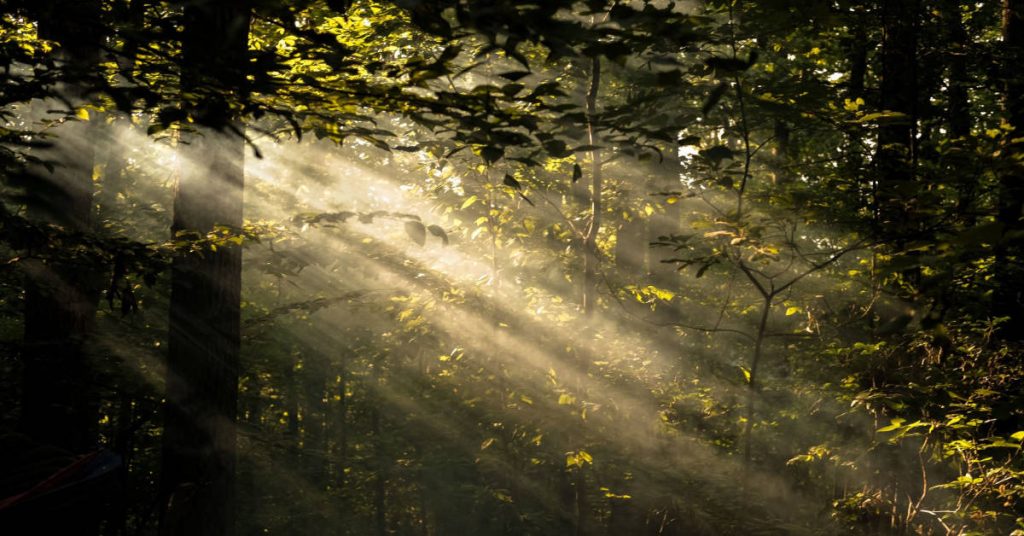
<point x="1008" y="294"/>
<point x="895" y="152"/>
<point x="591" y="258"/>
<point x="59" y="405"/>
<point x="199" y="456"/>
<point x="958" y="109"/>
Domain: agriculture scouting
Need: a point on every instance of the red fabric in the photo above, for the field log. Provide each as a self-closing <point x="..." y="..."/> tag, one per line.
<point x="54" y="481"/>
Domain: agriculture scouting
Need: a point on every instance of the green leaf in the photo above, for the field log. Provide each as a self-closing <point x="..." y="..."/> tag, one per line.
<point x="887" y="116"/>
<point x="468" y="202"/>
<point x="895" y="425"/>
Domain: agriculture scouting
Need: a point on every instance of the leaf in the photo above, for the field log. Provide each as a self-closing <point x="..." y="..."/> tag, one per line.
<point x="511" y="182"/>
<point x="515" y="75"/>
<point x="717" y="153"/>
<point x="491" y="154"/>
<point x="896" y="423"/>
<point x="713" y="98"/>
<point x="746" y="373"/>
<point x="1001" y="444"/>
<point x="887" y="116"/>
<point x="438" y="232"/>
<point x="416" y="231"/>
<point x="577" y="172"/>
<point x="468" y="202"/>
<point x="792" y="311"/>
<point x="340" y="6"/>
<point x="527" y="199"/>
<point x="727" y="66"/>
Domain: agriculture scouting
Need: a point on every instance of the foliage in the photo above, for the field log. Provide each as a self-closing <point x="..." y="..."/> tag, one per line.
<point x="772" y="350"/>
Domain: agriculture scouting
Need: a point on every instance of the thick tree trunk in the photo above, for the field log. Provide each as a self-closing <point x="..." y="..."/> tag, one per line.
<point x="59" y="405"/>
<point x="199" y="457"/>
<point x="1008" y="296"/>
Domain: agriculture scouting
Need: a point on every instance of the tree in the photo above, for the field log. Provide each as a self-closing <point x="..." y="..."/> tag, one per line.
<point x="1007" y="298"/>
<point x="199" y="451"/>
<point x="59" y="404"/>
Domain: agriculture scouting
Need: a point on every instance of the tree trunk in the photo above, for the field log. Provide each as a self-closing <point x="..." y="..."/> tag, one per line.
<point x="665" y="178"/>
<point x="958" y="112"/>
<point x="631" y="246"/>
<point x="1009" y="280"/>
<point x="59" y="406"/>
<point x="958" y="108"/>
<point x="591" y="258"/>
<point x="895" y="153"/>
<point x="199" y="456"/>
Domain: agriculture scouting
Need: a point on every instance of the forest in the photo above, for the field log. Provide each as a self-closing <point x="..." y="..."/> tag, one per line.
<point x="493" y="267"/>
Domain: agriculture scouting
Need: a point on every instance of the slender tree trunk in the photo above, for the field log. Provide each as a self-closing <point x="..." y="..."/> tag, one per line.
<point x="958" y="112"/>
<point x="199" y="451"/>
<point x="591" y="264"/>
<point x="1008" y="296"/>
<point x="59" y="404"/>
<point x="958" y="107"/>
<point x="665" y="177"/>
<point x="341" y="421"/>
<point x="380" y="478"/>
<point x="898" y="93"/>
<point x="857" y="56"/>
<point x="752" y="380"/>
<point x="134" y="14"/>
<point x="631" y="243"/>
<point x="591" y="257"/>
